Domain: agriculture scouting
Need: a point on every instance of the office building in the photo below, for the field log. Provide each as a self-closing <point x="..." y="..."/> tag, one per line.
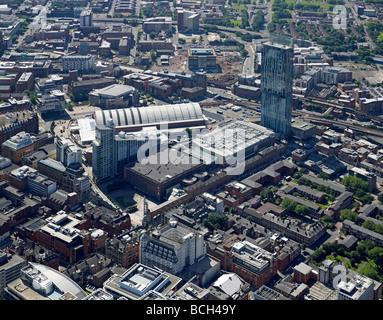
<point x="51" y="102"/>
<point x="67" y="152"/>
<point x="229" y="286"/>
<point x="99" y="294"/>
<point x="10" y="268"/>
<point x="62" y="236"/>
<point x="83" y="64"/>
<point x="114" y="96"/>
<point x="357" y="287"/>
<point x="303" y="130"/>
<point x="17" y="146"/>
<point x="71" y="179"/>
<point x="40" y="282"/>
<point x="85" y="86"/>
<point x="25" y="82"/>
<point x="86" y="18"/>
<point x="202" y="58"/>
<point x="26" y="178"/>
<point x="39" y="68"/>
<point x="276" y="85"/>
<point x="124" y="249"/>
<point x="172" y="248"/>
<point x="266" y="293"/>
<point x="254" y="265"/>
<point x="46" y="85"/>
<point x="187" y="20"/>
<point x="238" y="139"/>
<point x="139" y="280"/>
<point x="156" y="24"/>
<point x="157" y="178"/>
<point x="111" y="221"/>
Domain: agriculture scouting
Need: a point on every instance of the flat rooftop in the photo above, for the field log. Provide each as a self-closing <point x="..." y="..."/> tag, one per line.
<point x="158" y="172"/>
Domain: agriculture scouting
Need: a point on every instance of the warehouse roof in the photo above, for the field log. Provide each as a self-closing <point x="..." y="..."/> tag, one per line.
<point x="150" y="115"/>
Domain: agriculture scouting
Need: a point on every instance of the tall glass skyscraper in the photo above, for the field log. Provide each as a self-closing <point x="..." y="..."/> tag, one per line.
<point x="277" y="84"/>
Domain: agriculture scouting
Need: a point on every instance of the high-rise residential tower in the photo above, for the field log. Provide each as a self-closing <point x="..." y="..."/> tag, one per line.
<point x="276" y="85"/>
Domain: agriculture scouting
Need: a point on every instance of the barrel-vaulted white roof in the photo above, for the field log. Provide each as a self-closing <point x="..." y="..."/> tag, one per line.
<point x="150" y="115"/>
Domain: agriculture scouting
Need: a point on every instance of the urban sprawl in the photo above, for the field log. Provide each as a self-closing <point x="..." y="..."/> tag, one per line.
<point x="191" y="150"/>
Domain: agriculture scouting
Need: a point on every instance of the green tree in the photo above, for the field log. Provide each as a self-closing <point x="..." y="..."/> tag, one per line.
<point x="367" y="199"/>
<point x="215" y="221"/>
<point x="289" y="204"/>
<point x="69" y="106"/>
<point x="379" y="228"/>
<point x="153" y="55"/>
<point x="267" y="195"/>
<point x="52" y="127"/>
<point x="376" y="254"/>
<point x="302" y="210"/>
<point x="347" y="214"/>
<point x="323" y="175"/>
<point x="317" y="256"/>
<point x="244" y="52"/>
<point x="355" y="183"/>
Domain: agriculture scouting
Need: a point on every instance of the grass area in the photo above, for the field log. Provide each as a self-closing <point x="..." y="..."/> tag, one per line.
<point x="380" y="38"/>
<point x="369" y="268"/>
<point x="338" y="258"/>
<point x="240" y="7"/>
<point x="122" y="202"/>
<point x="236" y="23"/>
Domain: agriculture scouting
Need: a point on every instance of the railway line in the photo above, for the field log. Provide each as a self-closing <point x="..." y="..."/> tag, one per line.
<point x="312" y="118"/>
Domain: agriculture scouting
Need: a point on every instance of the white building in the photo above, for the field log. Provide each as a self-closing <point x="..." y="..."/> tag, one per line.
<point x="39" y="282"/>
<point x="51" y="102"/>
<point x="86" y="18"/>
<point x="77" y="62"/>
<point x="10" y="266"/>
<point x="138" y="281"/>
<point x="357" y="288"/>
<point x="172" y="247"/>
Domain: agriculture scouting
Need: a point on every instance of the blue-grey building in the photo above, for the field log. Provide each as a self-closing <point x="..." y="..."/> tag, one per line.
<point x="276" y="85"/>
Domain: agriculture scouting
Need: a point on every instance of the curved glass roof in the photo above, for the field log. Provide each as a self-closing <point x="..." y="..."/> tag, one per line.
<point x="148" y="115"/>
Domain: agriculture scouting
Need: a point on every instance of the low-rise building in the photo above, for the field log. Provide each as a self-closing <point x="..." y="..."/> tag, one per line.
<point x="83" y="64"/>
<point x="62" y="235"/>
<point x="138" y="280"/>
<point x="17" y="146"/>
<point x="114" y="96"/>
<point x="10" y="268"/>
<point x="124" y="249"/>
<point x="51" y="102"/>
<point x="202" y="58"/>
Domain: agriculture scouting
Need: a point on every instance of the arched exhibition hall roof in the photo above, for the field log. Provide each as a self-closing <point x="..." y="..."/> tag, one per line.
<point x="150" y="115"/>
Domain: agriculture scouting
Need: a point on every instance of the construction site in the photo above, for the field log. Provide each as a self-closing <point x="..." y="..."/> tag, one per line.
<point x="229" y="66"/>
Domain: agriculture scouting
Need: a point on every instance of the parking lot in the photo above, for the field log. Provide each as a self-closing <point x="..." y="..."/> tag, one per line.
<point x="219" y="114"/>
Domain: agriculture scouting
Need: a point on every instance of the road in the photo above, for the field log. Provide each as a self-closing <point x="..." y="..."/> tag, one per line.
<point x="133" y="49"/>
<point x="39" y="21"/>
<point x="248" y="64"/>
<point x="359" y="22"/>
<point x="112" y="7"/>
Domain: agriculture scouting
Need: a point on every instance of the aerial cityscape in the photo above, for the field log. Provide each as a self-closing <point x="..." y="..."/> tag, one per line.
<point x="191" y="150"/>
